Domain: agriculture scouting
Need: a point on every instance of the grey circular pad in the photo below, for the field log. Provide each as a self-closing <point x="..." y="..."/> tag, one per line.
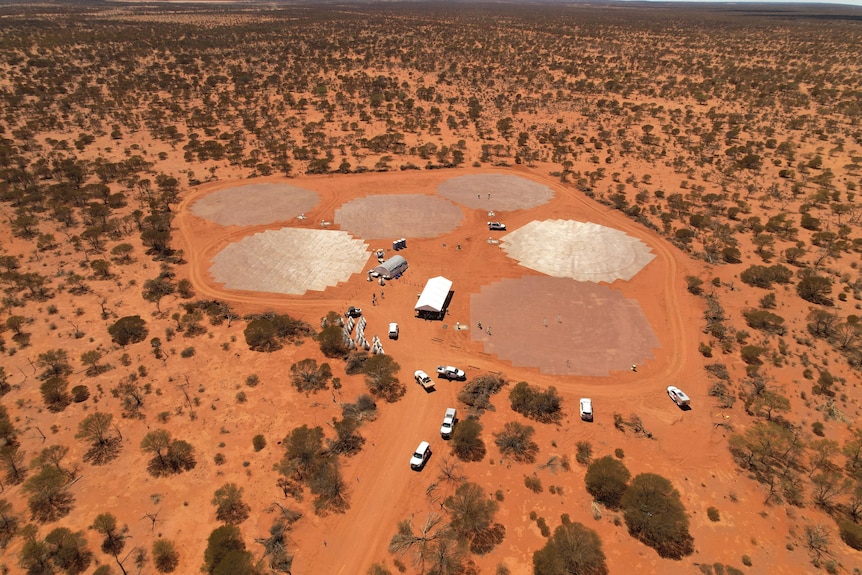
<point x="398" y="215"/>
<point x="255" y="204"/>
<point x="495" y="192"/>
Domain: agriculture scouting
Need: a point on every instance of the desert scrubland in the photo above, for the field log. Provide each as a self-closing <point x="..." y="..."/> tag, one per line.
<point x="153" y="420"/>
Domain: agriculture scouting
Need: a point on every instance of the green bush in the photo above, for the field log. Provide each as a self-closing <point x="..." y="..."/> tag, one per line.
<point x="606" y="480"/>
<point x="128" y="330"/>
<point x="585" y="452"/>
<point x="543" y="406"/>
<point x="713" y="514"/>
<point x="259" y="442"/>
<point x="765" y="321"/>
<point x="80" y="393"/>
<point x="478" y="391"/>
<point x="515" y="441"/>
<point x="851" y="534"/>
<point x="533" y="483"/>
<point x="655" y="515"/>
<point x="572" y="548"/>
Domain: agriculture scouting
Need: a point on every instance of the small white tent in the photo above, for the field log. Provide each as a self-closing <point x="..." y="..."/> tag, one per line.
<point x="432" y="300"/>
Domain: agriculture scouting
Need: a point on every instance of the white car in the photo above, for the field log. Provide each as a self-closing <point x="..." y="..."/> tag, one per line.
<point x="449" y="419"/>
<point x="450" y="372"/>
<point x="496" y="226"/>
<point x="420" y="456"/>
<point x="586" y="409"/>
<point x="678" y="396"/>
<point x="393" y="331"/>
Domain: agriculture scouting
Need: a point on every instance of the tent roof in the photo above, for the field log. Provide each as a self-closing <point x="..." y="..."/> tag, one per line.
<point x="390" y="264"/>
<point x="434" y="296"/>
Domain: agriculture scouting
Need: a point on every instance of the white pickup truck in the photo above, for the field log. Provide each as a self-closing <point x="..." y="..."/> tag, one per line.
<point x="448" y="423"/>
<point x="423" y="379"/>
<point x="450" y="372"/>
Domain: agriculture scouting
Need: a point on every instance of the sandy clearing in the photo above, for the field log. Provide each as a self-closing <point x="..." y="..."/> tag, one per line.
<point x="255" y="204"/>
<point x="393" y="492"/>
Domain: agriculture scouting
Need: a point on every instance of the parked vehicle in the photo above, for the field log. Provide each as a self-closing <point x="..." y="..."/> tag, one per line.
<point x="496" y="226"/>
<point x="353" y="312"/>
<point x="586" y="409"/>
<point x="423" y="379"/>
<point x="678" y="396"/>
<point x="449" y="420"/>
<point x="393" y="330"/>
<point x="450" y="372"/>
<point x="420" y="456"/>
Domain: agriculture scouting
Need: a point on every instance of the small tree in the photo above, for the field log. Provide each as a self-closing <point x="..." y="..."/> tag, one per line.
<point x="8" y="523"/>
<point x="128" y="330"/>
<point x="348" y="441"/>
<point x="655" y="515"/>
<point x="572" y="548"/>
<point x="261" y="335"/>
<point x="49" y="497"/>
<point x="165" y="556"/>
<point x="68" y="550"/>
<point x="381" y="380"/>
<point x="515" y="442"/>
<point x="55" y="394"/>
<point x="114" y="538"/>
<point x="851" y="534"/>
<point x="171" y="455"/>
<point x="307" y="376"/>
<point x="225" y="553"/>
<point x="477" y="392"/>
<point x="91" y="360"/>
<point x="331" y="341"/>
<point x="543" y="406"/>
<point x="472" y="515"/>
<point x="55" y="362"/>
<point x="467" y="443"/>
<point x="606" y="480"/>
<point x="104" y="442"/>
<point x="815" y="289"/>
<point x="230" y="508"/>
<point x="12" y="462"/>
<point x="432" y="544"/>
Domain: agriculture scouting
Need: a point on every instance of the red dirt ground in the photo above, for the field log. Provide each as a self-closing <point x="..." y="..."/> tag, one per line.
<point x="384" y="490"/>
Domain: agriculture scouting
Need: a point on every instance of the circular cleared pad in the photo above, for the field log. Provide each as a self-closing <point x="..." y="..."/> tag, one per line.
<point x="398" y="215"/>
<point x="290" y="261"/>
<point x="495" y="192"/>
<point x="561" y="326"/>
<point x="579" y="250"/>
<point x="255" y="204"/>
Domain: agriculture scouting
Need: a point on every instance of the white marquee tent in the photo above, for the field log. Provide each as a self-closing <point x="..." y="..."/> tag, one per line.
<point x="432" y="300"/>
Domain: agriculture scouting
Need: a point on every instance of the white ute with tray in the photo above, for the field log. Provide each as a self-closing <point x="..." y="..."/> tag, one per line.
<point x="422" y="379"/>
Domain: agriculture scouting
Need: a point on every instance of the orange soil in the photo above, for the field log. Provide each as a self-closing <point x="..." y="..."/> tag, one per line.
<point x="687" y="449"/>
